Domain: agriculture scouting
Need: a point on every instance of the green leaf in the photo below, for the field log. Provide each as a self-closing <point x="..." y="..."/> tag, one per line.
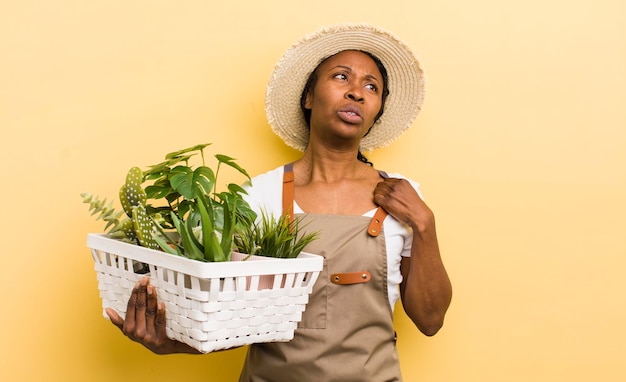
<point x="212" y="248"/>
<point x="190" y="183"/>
<point x="215" y="249"/>
<point x="192" y="224"/>
<point x="204" y="179"/>
<point x="228" y="231"/>
<point x="191" y="250"/>
<point x="161" y="188"/>
<point x="175" y="196"/>
<point x="236" y="189"/>
<point x="165" y="246"/>
<point x="273" y="237"/>
<point x="231" y="162"/>
<point x="175" y="154"/>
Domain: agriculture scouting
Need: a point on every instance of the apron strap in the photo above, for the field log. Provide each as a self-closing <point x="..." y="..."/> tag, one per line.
<point x="288" y="191"/>
<point x="288" y="194"/>
<point x="380" y="215"/>
<point x="377" y="221"/>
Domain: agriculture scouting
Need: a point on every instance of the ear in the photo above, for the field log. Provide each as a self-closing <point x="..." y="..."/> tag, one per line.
<point x="308" y="100"/>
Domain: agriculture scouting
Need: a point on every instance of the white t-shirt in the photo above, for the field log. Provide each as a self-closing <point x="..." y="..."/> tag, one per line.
<point x="265" y="193"/>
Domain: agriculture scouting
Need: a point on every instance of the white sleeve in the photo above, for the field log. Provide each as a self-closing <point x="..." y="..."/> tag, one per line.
<point x="403" y="234"/>
<point x="265" y="192"/>
<point x="398" y="240"/>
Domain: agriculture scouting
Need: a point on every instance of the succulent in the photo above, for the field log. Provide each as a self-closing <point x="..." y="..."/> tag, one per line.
<point x="117" y="228"/>
<point x="271" y="237"/>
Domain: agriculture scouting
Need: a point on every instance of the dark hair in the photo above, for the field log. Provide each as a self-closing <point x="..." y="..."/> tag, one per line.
<point x="362" y="158"/>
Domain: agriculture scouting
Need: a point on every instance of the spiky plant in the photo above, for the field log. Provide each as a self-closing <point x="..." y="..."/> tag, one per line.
<point x="273" y="237"/>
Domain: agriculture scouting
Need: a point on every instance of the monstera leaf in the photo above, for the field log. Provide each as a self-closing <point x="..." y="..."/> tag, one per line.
<point x="192" y="183"/>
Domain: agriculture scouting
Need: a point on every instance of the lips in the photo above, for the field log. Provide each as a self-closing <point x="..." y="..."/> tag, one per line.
<point x="350" y="114"/>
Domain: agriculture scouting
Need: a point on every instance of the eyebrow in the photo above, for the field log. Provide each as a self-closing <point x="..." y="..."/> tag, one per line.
<point x="349" y="69"/>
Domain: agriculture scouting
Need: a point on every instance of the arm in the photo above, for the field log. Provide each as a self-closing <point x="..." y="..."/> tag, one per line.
<point x="425" y="290"/>
<point x="145" y="321"/>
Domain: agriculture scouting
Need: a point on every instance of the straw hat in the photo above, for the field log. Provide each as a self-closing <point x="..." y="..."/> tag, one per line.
<point x="406" y="82"/>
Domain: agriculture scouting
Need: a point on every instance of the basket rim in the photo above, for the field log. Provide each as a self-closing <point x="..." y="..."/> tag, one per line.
<point x="305" y="262"/>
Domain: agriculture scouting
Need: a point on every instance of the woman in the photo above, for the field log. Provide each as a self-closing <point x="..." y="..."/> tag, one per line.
<point x="326" y="97"/>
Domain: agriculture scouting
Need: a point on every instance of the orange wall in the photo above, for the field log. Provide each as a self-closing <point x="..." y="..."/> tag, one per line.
<point x="520" y="149"/>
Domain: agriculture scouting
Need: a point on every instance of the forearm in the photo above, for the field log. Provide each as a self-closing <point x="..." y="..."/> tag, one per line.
<point x="426" y="288"/>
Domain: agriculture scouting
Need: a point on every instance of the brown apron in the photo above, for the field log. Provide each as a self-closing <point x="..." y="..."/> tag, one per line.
<point x="346" y="333"/>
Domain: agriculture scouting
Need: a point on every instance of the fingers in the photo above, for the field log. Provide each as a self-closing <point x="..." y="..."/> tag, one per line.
<point x="129" y="323"/>
<point x="159" y="323"/>
<point x="134" y="325"/>
<point x="115" y="318"/>
<point x="145" y="318"/>
<point x="399" y="198"/>
<point x="141" y="304"/>
<point x="151" y="308"/>
<point x="387" y="191"/>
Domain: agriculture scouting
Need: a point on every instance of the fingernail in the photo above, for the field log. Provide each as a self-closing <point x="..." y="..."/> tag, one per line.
<point x="150" y="289"/>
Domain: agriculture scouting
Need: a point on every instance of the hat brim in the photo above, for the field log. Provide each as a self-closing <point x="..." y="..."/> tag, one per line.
<point x="405" y="82"/>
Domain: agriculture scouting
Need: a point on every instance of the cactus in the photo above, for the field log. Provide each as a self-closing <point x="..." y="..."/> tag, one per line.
<point x="138" y="227"/>
<point x="131" y="193"/>
<point x="128" y="229"/>
<point x="144" y="228"/>
<point x="133" y="199"/>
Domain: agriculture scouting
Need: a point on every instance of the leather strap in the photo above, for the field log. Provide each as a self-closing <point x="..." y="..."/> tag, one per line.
<point x="380" y="215"/>
<point x="376" y="222"/>
<point x="350" y="278"/>
<point x="288" y="191"/>
<point x="288" y="194"/>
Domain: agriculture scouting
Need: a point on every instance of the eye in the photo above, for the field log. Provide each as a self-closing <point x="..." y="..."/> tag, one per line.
<point x="372" y="87"/>
<point x="340" y="76"/>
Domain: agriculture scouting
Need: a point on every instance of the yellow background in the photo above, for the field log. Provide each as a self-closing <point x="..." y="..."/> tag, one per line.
<point x="520" y="150"/>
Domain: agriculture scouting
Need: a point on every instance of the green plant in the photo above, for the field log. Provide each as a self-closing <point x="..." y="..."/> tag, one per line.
<point x="175" y="208"/>
<point x="271" y="237"/>
<point x="180" y="210"/>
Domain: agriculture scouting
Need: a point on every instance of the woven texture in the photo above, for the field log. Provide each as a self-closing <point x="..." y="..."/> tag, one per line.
<point x="212" y="313"/>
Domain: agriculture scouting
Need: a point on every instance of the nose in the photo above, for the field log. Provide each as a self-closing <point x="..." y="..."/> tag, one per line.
<point x="354" y="93"/>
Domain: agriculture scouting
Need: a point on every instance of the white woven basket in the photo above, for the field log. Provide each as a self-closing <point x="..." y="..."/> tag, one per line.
<point x="210" y="306"/>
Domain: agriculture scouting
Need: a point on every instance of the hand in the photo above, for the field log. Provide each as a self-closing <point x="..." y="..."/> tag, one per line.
<point x="425" y="289"/>
<point x="145" y="321"/>
<point x="399" y="198"/>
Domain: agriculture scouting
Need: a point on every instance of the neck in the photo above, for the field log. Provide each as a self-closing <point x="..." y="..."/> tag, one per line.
<point x="329" y="166"/>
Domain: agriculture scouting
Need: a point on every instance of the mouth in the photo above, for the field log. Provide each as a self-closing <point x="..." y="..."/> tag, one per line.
<point x="350" y="114"/>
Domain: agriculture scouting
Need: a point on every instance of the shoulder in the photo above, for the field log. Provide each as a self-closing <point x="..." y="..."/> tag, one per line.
<point x="271" y="178"/>
<point x="412" y="182"/>
<point x="264" y="191"/>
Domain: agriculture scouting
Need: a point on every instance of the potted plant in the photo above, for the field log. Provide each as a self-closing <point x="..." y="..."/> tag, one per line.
<point x="177" y="229"/>
<point x="182" y="213"/>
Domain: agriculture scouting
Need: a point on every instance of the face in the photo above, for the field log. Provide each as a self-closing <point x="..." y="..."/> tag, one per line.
<point x="346" y="98"/>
